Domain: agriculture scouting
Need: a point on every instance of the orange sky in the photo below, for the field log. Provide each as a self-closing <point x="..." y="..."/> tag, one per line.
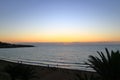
<point x="58" y="38"/>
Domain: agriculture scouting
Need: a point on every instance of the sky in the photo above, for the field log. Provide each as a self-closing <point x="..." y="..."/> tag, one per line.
<point x="59" y="20"/>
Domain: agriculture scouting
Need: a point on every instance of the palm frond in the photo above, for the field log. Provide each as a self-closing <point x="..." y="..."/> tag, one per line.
<point x="107" y="66"/>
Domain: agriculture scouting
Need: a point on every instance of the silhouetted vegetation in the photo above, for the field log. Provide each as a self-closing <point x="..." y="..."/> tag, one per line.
<point x="8" y="45"/>
<point x="107" y="66"/>
<point x="20" y="71"/>
<point x="86" y="77"/>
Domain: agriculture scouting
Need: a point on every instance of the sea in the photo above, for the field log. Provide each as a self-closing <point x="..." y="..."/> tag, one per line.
<point x="62" y="55"/>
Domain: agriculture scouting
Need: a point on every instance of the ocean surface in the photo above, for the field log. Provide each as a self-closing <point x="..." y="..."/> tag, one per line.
<point x="63" y="55"/>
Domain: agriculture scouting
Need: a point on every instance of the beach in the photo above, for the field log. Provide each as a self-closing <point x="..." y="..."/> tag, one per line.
<point x="45" y="73"/>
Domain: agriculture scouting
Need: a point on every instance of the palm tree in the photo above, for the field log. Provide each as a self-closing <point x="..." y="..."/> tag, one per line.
<point x="86" y="77"/>
<point x="107" y="66"/>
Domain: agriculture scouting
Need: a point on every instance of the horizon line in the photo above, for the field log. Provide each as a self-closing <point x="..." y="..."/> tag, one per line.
<point x="73" y="42"/>
<point x="63" y="42"/>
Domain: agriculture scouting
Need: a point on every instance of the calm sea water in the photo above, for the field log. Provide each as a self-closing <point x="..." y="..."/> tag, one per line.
<point x="70" y="56"/>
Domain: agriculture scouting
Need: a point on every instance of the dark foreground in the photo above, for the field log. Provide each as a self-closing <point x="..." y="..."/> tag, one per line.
<point x="45" y="73"/>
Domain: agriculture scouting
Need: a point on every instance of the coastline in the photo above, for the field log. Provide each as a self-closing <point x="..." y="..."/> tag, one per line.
<point x="49" y="73"/>
<point x="9" y="45"/>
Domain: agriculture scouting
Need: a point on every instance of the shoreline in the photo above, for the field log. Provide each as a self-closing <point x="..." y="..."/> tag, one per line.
<point x="51" y="73"/>
<point x="45" y="63"/>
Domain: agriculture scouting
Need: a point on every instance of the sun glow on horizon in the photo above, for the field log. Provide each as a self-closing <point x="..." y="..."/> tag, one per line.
<point x="60" y="39"/>
<point x="59" y="21"/>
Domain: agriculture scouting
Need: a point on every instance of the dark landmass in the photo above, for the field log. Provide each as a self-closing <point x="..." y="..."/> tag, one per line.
<point x="9" y="45"/>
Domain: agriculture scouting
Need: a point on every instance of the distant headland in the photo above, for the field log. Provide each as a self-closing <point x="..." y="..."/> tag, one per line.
<point x="9" y="45"/>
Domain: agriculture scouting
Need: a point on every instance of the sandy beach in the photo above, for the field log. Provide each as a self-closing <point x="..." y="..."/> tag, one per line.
<point x="45" y="73"/>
